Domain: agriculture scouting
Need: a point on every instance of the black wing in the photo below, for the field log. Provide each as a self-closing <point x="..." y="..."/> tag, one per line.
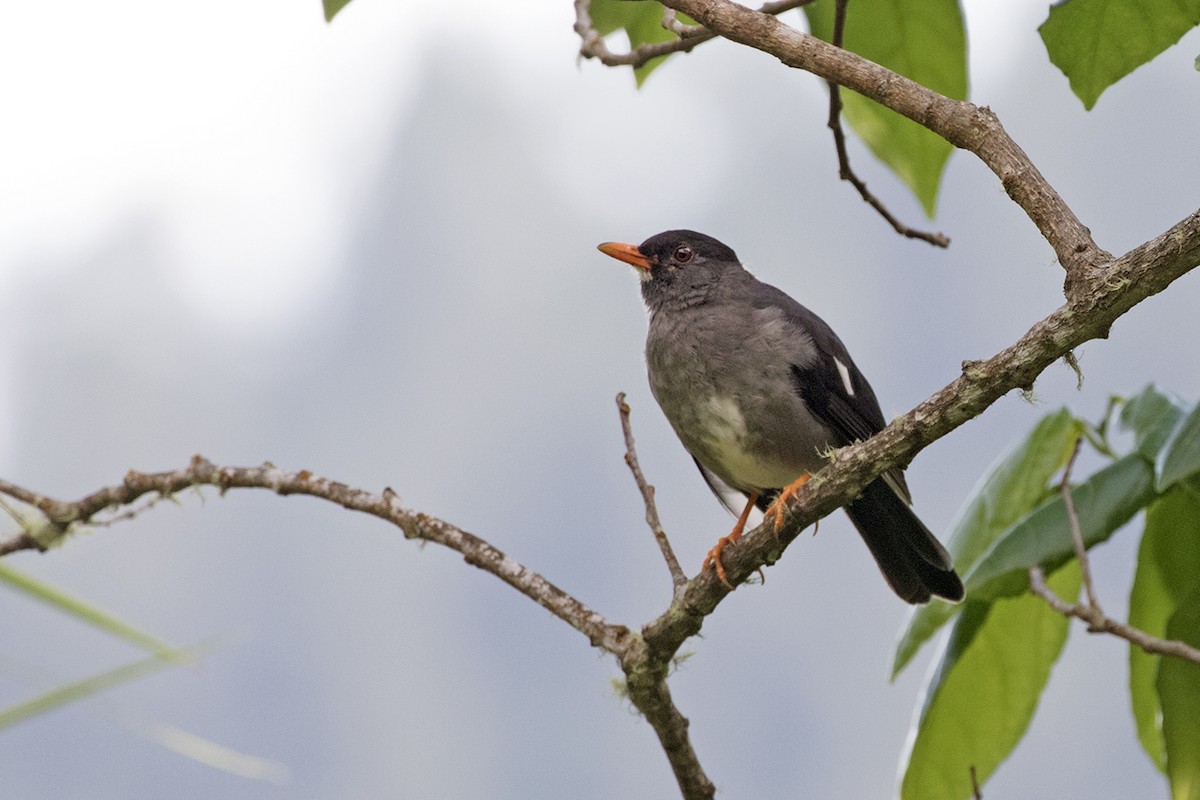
<point x="832" y="386"/>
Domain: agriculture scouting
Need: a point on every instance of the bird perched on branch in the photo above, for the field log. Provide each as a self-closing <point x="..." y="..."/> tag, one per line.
<point x="758" y="388"/>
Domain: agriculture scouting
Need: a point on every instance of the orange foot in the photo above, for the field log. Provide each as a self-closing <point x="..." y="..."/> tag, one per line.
<point x="778" y="507"/>
<point x="714" y="555"/>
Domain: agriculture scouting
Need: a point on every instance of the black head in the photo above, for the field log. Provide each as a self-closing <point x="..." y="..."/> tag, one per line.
<point x="678" y="266"/>
<point x="677" y="249"/>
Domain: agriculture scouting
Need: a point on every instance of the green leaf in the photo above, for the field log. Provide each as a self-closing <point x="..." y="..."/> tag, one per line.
<point x="79" y="690"/>
<point x="1168" y="571"/>
<point x="1103" y="502"/>
<point x="1179" y="693"/>
<point x="332" y="7"/>
<point x="1180" y="454"/>
<point x="69" y="604"/>
<point x="1151" y="415"/>
<point x="1097" y="42"/>
<point x="642" y="23"/>
<point x="924" y="41"/>
<point x="1008" y="490"/>
<point x="983" y="694"/>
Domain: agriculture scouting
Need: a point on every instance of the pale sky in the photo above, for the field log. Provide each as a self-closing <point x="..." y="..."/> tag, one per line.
<point x="367" y="249"/>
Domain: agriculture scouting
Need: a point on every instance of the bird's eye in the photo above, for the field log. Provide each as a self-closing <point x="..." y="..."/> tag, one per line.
<point x="682" y="254"/>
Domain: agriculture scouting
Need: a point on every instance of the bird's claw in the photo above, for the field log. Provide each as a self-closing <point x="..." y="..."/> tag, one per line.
<point x="714" y="558"/>
<point x="779" y="506"/>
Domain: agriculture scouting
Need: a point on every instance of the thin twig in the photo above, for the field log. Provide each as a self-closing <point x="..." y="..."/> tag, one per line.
<point x="1135" y="636"/>
<point x="592" y="43"/>
<point x="845" y="172"/>
<point x="670" y="22"/>
<point x="678" y="579"/>
<point x="975" y="790"/>
<point x="963" y="124"/>
<point x="1081" y="553"/>
<point x="1143" y="272"/>
<point x="64" y="516"/>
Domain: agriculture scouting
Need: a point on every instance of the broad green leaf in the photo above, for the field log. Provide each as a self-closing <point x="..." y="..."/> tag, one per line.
<point x="1168" y="570"/>
<point x="1097" y="42"/>
<point x="1151" y="415"/>
<point x="332" y="7"/>
<point x="1008" y="490"/>
<point x="1180" y="454"/>
<point x="924" y="41"/>
<point x="642" y="23"/>
<point x="80" y="690"/>
<point x="69" y="604"/>
<point x="1103" y="502"/>
<point x="984" y="692"/>
<point x="1179" y="693"/>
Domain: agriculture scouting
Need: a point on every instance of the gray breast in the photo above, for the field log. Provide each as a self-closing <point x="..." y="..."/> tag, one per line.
<point x="722" y="375"/>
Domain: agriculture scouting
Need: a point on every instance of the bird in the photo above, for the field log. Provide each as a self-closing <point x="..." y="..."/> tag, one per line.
<point x="760" y="390"/>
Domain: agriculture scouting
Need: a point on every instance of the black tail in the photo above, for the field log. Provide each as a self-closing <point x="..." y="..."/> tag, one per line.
<point x="914" y="562"/>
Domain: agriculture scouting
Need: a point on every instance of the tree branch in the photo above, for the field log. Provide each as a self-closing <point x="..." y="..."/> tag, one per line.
<point x="592" y="43"/>
<point x="1144" y="271"/>
<point x="1103" y="624"/>
<point x="645" y="678"/>
<point x="1140" y="273"/>
<point x="1081" y="554"/>
<point x="961" y="123"/>
<point x="1091" y="612"/>
<point x="1099" y="289"/>
<point x="845" y="172"/>
<point x="678" y="579"/>
<point x="385" y="505"/>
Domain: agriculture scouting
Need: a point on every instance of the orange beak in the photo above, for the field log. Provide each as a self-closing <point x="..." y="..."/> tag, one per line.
<point x="625" y="252"/>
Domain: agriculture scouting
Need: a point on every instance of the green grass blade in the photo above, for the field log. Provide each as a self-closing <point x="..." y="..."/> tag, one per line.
<point x="69" y="604"/>
<point x="82" y="689"/>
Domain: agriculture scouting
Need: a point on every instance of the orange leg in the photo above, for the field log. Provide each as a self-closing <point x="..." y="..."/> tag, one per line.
<point x="778" y="507"/>
<point x="714" y="555"/>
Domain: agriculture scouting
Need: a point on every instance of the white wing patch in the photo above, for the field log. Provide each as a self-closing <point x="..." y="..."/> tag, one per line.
<point x="844" y="371"/>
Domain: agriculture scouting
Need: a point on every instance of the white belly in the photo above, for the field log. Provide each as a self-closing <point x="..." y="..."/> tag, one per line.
<point x="724" y="449"/>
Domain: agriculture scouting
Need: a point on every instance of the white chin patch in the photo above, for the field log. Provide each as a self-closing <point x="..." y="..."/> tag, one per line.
<point x="844" y="371"/>
<point x="643" y="275"/>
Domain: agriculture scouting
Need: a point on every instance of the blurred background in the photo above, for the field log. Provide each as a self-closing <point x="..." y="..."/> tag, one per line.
<point x="368" y="249"/>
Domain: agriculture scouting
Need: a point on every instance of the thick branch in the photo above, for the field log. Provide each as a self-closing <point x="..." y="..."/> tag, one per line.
<point x="384" y="505"/>
<point x="1107" y="295"/>
<point x="646" y="678"/>
<point x="1141" y="273"/>
<point x="963" y="124"/>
